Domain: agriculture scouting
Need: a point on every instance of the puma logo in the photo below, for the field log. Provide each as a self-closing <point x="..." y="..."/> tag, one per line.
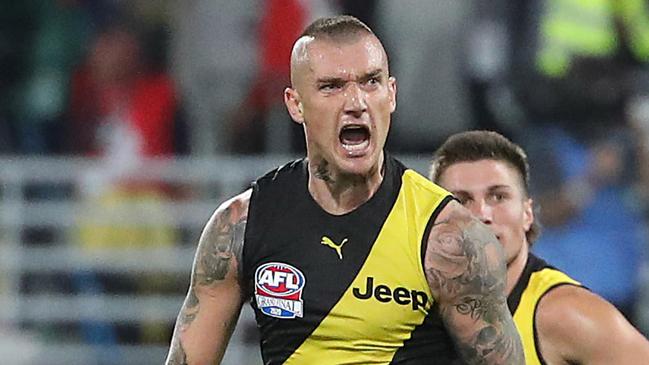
<point x="328" y="242"/>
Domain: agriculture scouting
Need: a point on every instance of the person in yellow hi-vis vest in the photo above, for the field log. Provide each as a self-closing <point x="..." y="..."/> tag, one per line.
<point x="575" y="61"/>
<point x="572" y="29"/>
<point x="560" y="321"/>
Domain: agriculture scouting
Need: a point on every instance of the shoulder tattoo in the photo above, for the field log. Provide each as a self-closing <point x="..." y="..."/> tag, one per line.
<point x="222" y="240"/>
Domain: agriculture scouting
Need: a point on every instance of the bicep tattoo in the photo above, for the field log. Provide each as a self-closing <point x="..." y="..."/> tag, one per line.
<point x="465" y="269"/>
<point x="220" y="242"/>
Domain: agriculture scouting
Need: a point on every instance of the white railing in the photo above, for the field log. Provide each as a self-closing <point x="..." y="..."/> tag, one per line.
<point x="208" y="181"/>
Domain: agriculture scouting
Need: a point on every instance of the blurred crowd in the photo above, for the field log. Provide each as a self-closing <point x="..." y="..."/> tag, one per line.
<point x="125" y="81"/>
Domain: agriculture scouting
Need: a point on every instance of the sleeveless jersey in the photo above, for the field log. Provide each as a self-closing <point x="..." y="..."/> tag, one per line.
<point x="538" y="278"/>
<point x="347" y="289"/>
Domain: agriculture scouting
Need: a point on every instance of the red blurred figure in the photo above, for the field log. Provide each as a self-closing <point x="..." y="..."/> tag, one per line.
<point x="119" y="107"/>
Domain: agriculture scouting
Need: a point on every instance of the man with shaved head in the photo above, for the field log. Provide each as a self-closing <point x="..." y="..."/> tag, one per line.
<point x="347" y="256"/>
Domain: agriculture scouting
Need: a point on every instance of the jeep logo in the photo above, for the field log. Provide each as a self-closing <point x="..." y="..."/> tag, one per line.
<point x="384" y="294"/>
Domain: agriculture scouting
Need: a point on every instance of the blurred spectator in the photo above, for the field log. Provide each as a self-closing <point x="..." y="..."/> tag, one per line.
<point x="558" y="74"/>
<point x="560" y="61"/>
<point x="573" y="62"/>
<point x="281" y="23"/>
<point x="260" y="123"/>
<point x="592" y="228"/>
<point x="425" y="42"/>
<point x="488" y="47"/>
<point x="52" y="43"/>
<point x="120" y="108"/>
<point x="214" y="61"/>
<point x="122" y="111"/>
<point x="584" y="83"/>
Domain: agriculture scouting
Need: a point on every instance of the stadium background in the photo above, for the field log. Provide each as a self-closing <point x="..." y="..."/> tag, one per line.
<point x="123" y="124"/>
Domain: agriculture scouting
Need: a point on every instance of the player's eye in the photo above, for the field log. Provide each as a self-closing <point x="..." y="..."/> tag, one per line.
<point x="498" y="197"/>
<point x="329" y="86"/>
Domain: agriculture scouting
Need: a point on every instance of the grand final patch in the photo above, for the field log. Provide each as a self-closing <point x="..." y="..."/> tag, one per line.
<point x="278" y="290"/>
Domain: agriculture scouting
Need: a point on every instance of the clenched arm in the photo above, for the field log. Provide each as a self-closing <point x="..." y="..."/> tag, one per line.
<point x="213" y="303"/>
<point x="466" y="271"/>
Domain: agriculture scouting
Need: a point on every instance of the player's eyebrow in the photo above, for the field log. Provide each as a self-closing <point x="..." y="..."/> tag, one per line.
<point x="372" y="74"/>
<point x="336" y="80"/>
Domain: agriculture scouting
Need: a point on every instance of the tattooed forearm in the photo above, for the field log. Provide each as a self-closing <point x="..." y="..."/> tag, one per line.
<point x="471" y="307"/>
<point x="466" y="271"/>
<point x="187" y="314"/>
<point x="490" y="341"/>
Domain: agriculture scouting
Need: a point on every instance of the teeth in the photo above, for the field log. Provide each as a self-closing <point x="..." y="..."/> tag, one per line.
<point x="351" y="148"/>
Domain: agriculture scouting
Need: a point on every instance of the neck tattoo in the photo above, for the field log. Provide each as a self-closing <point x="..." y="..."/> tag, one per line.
<point x="322" y="172"/>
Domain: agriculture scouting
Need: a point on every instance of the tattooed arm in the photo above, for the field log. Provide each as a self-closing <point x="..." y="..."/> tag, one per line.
<point x="466" y="271"/>
<point x="213" y="303"/>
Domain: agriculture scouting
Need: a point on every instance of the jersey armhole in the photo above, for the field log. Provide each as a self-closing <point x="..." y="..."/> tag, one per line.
<point x="537" y="344"/>
<point x="244" y="281"/>
<point x="429" y="227"/>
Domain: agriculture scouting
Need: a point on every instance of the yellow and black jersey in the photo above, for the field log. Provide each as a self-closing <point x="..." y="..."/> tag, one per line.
<point x="347" y="289"/>
<point x="538" y="279"/>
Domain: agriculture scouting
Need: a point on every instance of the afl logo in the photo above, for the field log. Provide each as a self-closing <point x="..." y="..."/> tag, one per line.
<point x="278" y="290"/>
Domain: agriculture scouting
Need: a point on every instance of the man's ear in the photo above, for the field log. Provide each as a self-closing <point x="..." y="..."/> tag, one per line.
<point x="528" y="214"/>
<point x="294" y="105"/>
<point x="392" y="89"/>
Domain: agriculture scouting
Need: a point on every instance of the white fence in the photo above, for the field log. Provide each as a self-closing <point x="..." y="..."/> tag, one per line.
<point x="43" y="311"/>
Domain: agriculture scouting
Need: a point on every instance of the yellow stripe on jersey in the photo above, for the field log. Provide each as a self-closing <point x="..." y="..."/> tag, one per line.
<point x="389" y="297"/>
<point x="540" y="283"/>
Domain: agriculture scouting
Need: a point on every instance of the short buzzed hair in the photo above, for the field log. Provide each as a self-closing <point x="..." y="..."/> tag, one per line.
<point x="336" y="27"/>
<point x="484" y="145"/>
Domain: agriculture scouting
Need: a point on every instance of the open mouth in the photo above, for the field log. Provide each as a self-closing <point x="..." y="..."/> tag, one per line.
<point x="354" y="137"/>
